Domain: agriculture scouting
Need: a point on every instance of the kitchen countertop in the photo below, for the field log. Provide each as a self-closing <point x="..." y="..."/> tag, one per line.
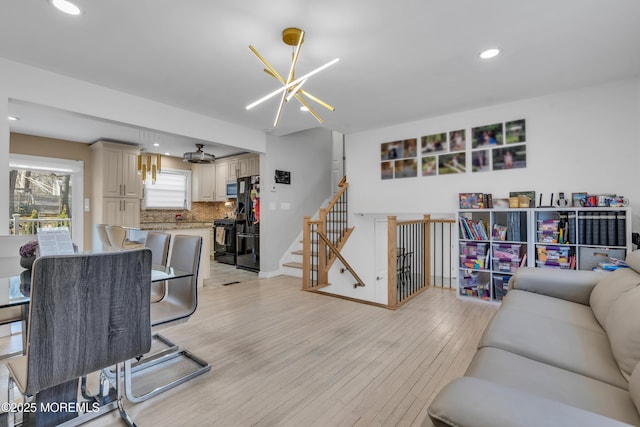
<point x="175" y="225"/>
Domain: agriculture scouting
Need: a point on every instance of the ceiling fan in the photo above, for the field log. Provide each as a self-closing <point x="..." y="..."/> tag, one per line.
<point x="292" y="86"/>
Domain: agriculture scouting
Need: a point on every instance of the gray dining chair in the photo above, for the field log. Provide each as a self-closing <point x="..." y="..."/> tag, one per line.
<point x="104" y="237"/>
<point x="87" y="312"/>
<point x="118" y="238"/>
<point x="158" y="242"/>
<point x="179" y="303"/>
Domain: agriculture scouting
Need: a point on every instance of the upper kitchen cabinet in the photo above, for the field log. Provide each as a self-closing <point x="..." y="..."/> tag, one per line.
<point x="243" y="165"/>
<point x="203" y="183"/>
<point x="116" y="167"/>
<point x="222" y="176"/>
<point x="117" y="187"/>
<point x="233" y="168"/>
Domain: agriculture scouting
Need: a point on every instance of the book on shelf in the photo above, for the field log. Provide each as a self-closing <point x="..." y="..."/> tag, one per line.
<point x="516" y="227"/>
<point x="473" y="230"/>
<point x="621" y="228"/>
<point x="570" y="235"/>
<point x="499" y="232"/>
<point x="602" y="228"/>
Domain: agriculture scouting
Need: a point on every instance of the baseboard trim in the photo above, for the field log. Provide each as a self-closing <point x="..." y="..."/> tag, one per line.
<point x="361" y="301"/>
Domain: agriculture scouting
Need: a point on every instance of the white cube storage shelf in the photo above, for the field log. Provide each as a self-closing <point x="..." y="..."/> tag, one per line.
<point x="494" y="243"/>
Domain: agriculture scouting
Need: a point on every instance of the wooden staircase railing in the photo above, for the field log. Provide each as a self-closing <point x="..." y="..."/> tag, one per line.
<point x="409" y="258"/>
<point x="322" y="240"/>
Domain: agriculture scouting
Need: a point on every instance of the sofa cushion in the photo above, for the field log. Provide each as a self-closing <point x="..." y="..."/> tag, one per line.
<point x="633" y="260"/>
<point x="609" y="289"/>
<point x="511" y="370"/>
<point x="560" y="344"/>
<point x="554" y="308"/>
<point x="623" y="327"/>
<point x="469" y="401"/>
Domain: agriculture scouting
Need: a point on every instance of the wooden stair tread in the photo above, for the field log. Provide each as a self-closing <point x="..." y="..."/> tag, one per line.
<point x="300" y="252"/>
<point x="293" y="264"/>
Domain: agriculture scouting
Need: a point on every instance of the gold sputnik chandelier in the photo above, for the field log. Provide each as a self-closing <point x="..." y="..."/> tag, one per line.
<point x="292" y="86"/>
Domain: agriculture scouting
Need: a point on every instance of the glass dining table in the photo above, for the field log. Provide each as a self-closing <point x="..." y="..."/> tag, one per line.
<point x="15" y="288"/>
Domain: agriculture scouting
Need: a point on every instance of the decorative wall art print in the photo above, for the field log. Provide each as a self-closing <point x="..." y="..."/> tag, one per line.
<point x="497" y="146"/>
<point x="457" y="140"/>
<point x="399" y="159"/>
<point x="436" y="143"/>
<point x="510" y="157"/>
<point x="452" y="163"/>
<point x="430" y="166"/>
<point x="386" y="170"/>
<point x="487" y="136"/>
<point x="407" y="168"/>
<point x="480" y="161"/>
<point x="516" y="132"/>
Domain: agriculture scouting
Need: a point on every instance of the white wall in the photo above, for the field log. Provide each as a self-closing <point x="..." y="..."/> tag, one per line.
<point x="307" y="155"/>
<point x="582" y="140"/>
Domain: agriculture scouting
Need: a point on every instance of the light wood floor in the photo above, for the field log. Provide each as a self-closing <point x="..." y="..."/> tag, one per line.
<point x="284" y="357"/>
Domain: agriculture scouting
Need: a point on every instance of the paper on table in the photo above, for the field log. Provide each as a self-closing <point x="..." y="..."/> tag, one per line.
<point x="55" y="241"/>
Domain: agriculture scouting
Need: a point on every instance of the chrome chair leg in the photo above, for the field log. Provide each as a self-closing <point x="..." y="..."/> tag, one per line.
<point x="11" y="415"/>
<point x="176" y="352"/>
<point x="123" y="413"/>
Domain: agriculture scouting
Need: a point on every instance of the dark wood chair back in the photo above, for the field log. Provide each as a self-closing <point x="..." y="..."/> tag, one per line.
<point x="87" y="312"/>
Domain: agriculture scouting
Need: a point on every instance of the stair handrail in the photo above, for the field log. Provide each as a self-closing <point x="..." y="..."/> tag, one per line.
<point x="325" y="257"/>
<point x="344" y="262"/>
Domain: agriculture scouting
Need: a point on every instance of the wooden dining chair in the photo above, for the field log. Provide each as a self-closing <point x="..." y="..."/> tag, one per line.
<point x="178" y="305"/>
<point x="158" y="242"/>
<point x="118" y="238"/>
<point x="87" y="312"/>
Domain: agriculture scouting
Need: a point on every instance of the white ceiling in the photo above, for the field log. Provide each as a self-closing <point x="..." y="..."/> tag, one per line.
<point x="399" y="61"/>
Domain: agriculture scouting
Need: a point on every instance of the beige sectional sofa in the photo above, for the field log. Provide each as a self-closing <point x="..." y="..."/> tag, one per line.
<point x="562" y="350"/>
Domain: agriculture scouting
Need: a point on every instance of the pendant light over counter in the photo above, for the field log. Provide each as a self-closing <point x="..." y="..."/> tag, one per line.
<point x="149" y="164"/>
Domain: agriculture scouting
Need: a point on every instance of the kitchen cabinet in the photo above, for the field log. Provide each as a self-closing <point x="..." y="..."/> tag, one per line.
<point x="116" y="185"/>
<point x="244" y="165"/>
<point x="233" y="168"/>
<point x="203" y="183"/>
<point x="248" y="165"/>
<point x="121" y="211"/>
<point x="222" y="176"/>
<point x="117" y="168"/>
<point x="253" y="167"/>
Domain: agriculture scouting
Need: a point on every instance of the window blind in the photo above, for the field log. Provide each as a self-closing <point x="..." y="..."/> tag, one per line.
<point x="171" y="191"/>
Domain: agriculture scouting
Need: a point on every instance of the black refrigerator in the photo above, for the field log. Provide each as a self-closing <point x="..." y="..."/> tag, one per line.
<point x="248" y="223"/>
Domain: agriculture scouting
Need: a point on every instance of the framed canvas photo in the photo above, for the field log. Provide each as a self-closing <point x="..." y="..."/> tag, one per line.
<point x="471" y="200"/>
<point x="576" y="197"/>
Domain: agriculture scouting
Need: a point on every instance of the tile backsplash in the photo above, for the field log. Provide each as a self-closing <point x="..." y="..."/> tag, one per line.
<point x="200" y="212"/>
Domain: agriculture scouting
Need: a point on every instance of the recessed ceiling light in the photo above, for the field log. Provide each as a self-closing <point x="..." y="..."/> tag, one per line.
<point x="155" y="144"/>
<point x="303" y="108"/>
<point x="13" y="118"/>
<point x="66" y="7"/>
<point x="489" y="53"/>
<point x="167" y="153"/>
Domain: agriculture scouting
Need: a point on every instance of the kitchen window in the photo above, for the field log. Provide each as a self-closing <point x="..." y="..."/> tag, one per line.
<point x="172" y="190"/>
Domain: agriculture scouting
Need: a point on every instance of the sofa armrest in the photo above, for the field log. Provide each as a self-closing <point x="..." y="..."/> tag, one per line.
<point x="471" y="402"/>
<point x="570" y="285"/>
